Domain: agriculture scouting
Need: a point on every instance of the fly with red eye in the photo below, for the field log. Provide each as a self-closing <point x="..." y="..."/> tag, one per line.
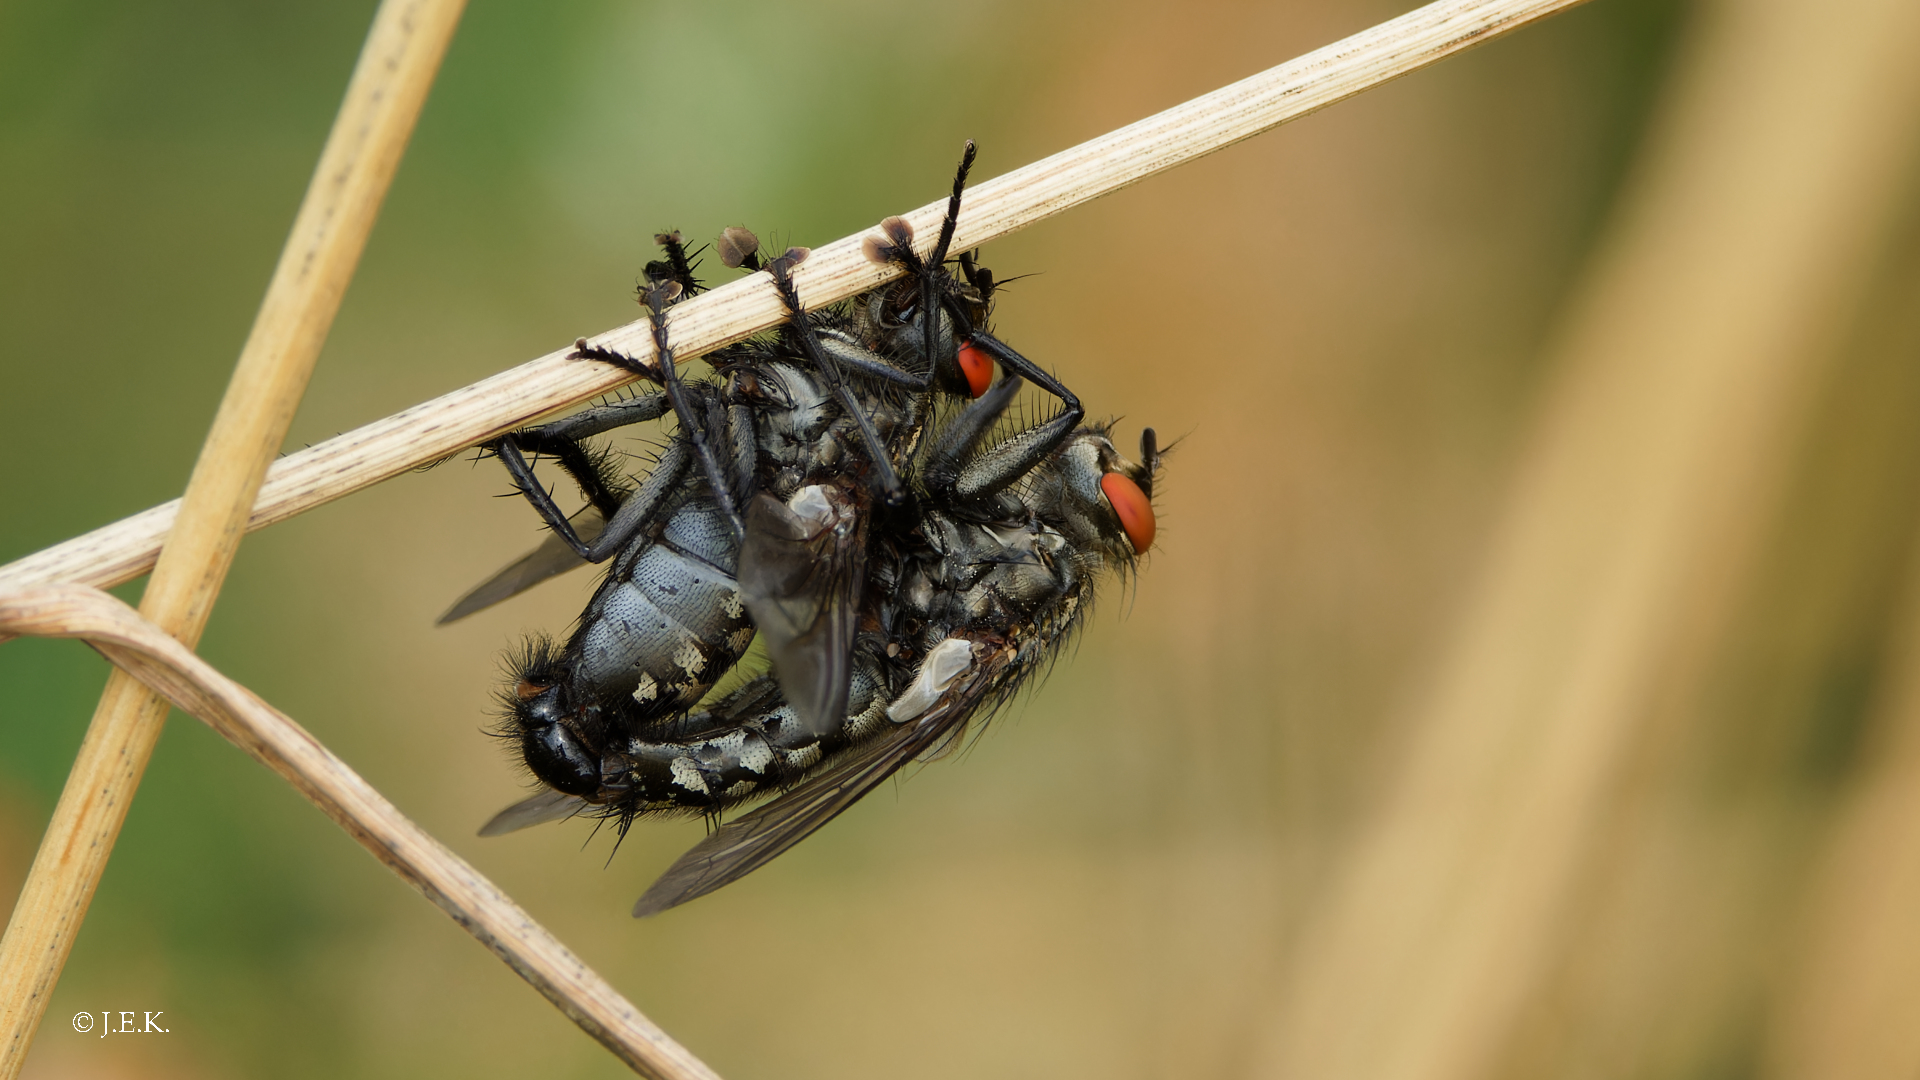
<point x="845" y="491"/>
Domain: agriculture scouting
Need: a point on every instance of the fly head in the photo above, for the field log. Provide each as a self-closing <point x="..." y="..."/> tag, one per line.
<point x="926" y="315"/>
<point x="1099" y="499"/>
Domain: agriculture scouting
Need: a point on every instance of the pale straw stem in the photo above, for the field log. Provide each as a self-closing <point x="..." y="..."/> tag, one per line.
<point x="389" y="84"/>
<point x="273" y="739"/>
<point x="992" y="209"/>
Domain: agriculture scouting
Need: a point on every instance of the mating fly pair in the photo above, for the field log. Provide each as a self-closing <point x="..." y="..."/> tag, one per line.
<point x="848" y="489"/>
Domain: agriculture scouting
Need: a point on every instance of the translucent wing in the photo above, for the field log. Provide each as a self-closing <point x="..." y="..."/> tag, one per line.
<point x="551" y="559"/>
<point x="802" y="565"/>
<point x="752" y="840"/>
<point x="548" y="805"/>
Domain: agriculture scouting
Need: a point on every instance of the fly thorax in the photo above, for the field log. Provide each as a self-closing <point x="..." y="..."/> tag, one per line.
<point x="1021" y="568"/>
<point x="1034" y="573"/>
<point x="793" y="435"/>
<point x="896" y="317"/>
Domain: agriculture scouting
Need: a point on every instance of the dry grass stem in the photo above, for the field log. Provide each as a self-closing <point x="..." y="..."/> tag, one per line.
<point x="162" y="663"/>
<point x="1656" y="459"/>
<point x="994" y="208"/>
<point x="390" y="83"/>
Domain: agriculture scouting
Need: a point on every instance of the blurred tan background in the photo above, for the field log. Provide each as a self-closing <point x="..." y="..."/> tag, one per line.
<point x="1527" y="682"/>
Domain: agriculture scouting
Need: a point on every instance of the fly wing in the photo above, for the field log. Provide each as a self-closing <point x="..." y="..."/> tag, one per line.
<point x="548" y="805"/>
<point x="552" y="558"/>
<point x="801" y="572"/>
<point x="752" y="840"/>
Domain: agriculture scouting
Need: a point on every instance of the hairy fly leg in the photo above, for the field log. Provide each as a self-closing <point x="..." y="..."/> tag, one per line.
<point x="936" y="261"/>
<point x="1036" y="442"/>
<point x="927" y="369"/>
<point x="885" y="478"/>
<point x="562" y="440"/>
<point x="678" y="266"/>
<point x="939" y="305"/>
<point x="668" y="282"/>
<point x="628" y="517"/>
<point x="956" y="458"/>
<point x="978" y="348"/>
<point x="592" y="470"/>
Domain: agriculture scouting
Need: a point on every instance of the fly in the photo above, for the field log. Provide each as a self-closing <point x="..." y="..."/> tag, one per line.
<point x="831" y="490"/>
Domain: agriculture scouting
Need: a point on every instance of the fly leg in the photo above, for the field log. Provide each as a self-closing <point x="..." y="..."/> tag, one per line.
<point x="677" y="266"/>
<point x="740" y="248"/>
<point x="900" y="251"/>
<point x="627" y="519"/>
<point x="897" y="250"/>
<point x="562" y="441"/>
<point x="593" y="470"/>
<point x="741" y="436"/>
<point x="1048" y="434"/>
<point x="885" y="478"/>
<point x="959" y="469"/>
<point x="955" y="468"/>
<point x="938" y="259"/>
<point x="669" y="281"/>
<point x="692" y="419"/>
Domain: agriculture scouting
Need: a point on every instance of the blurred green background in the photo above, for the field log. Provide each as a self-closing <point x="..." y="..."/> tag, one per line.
<point x="1342" y="321"/>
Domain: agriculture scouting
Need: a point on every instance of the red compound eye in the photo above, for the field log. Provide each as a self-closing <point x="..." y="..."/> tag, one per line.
<point x="1134" y="508"/>
<point x="977" y="366"/>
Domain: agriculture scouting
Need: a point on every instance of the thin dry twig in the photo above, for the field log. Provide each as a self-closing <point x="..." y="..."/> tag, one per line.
<point x="994" y="208"/>
<point x="389" y="85"/>
<point x="276" y="741"/>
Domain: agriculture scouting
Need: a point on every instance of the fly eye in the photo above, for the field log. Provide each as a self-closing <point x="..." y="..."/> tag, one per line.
<point x="1134" y="508"/>
<point x="977" y="366"/>
<point x="900" y="305"/>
